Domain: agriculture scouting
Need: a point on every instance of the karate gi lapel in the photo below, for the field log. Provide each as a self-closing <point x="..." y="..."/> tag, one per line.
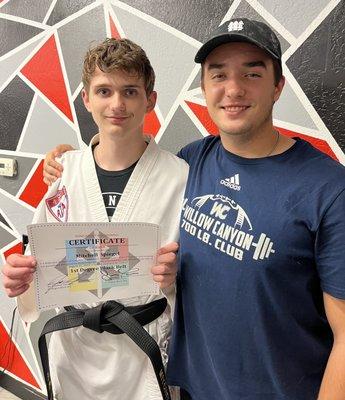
<point x="94" y="194"/>
<point x="136" y="184"/>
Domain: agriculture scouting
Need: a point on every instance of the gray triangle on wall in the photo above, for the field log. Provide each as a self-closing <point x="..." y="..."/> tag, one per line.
<point x="289" y="13"/>
<point x="76" y="37"/>
<point x="27" y="9"/>
<point x="13" y="34"/>
<point x="10" y="64"/>
<point x="5" y="237"/>
<point x="18" y="215"/>
<point x="15" y="102"/>
<point x="290" y="109"/>
<point x="179" y="132"/>
<point x="4" y="221"/>
<point x="65" y="8"/>
<point x="171" y="57"/>
<point x="46" y="129"/>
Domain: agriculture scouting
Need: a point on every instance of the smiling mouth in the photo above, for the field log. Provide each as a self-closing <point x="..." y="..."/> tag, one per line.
<point x="117" y="119"/>
<point x="235" y="109"/>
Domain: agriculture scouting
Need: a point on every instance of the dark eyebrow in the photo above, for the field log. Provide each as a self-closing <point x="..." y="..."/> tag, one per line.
<point x="215" y="66"/>
<point x="252" y="64"/>
<point x="101" y="86"/>
<point x="249" y="64"/>
<point x="105" y="85"/>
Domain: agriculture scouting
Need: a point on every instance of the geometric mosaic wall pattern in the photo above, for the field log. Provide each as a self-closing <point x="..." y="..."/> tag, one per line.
<point x="42" y="44"/>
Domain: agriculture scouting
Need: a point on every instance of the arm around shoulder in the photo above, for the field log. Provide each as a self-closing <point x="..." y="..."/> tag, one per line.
<point x="52" y="169"/>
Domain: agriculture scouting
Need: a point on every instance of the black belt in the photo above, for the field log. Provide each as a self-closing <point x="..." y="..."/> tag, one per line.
<point x="111" y="317"/>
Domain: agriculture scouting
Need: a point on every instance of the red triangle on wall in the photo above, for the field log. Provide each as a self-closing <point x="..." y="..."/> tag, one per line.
<point x="151" y="124"/>
<point x="35" y="189"/>
<point x="204" y="117"/>
<point x="17" y="248"/>
<point x="320" y="144"/>
<point x="45" y="72"/>
<point x="114" y="31"/>
<point x="11" y="359"/>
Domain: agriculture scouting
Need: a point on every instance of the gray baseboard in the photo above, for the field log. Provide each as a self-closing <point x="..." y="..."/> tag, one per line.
<point x="19" y="389"/>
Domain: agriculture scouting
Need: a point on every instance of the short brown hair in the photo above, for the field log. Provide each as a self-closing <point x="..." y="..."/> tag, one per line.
<point x="118" y="55"/>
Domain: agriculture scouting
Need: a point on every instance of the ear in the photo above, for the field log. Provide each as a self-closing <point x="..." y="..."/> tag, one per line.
<point x="203" y="88"/>
<point x="278" y="89"/>
<point x="151" y="101"/>
<point x="86" y="99"/>
<point x="202" y="85"/>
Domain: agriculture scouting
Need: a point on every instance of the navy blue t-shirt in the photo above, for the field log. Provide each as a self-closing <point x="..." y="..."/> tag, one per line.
<point x="261" y="239"/>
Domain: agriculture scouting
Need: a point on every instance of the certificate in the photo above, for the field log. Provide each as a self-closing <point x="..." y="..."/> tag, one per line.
<point x="90" y="262"/>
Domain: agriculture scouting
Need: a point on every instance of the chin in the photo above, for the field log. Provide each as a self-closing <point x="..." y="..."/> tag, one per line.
<point x="236" y="131"/>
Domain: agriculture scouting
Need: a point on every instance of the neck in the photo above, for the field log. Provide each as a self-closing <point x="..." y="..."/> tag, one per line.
<point x="119" y="153"/>
<point x="266" y="143"/>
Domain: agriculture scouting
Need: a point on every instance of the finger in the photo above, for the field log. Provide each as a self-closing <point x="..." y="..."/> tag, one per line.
<point x="163" y="281"/>
<point x="168" y="258"/>
<point x="47" y="181"/>
<point x="62" y="148"/>
<point x="49" y="178"/>
<point x="53" y="168"/>
<point x="20" y="260"/>
<point x="51" y="174"/>
<point x="57" y="152"/>
<point x="169" y="248"/>
<point x="21" y="273"/>
<point x="50" y="156"/>
<point x="18" y="291"/>
<point x="52" y="163"/>
<point x="13" y="284"/>
<point x="163" y="269"/>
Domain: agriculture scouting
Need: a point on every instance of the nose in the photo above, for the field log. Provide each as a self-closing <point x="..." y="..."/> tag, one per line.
<point x="117" y="102"/>
<point x="234" y="89"/>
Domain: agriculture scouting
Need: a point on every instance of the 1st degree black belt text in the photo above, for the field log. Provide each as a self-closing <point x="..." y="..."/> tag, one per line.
<point x="111" y="317"/>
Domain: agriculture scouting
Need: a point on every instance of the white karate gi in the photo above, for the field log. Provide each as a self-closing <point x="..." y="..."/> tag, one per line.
<point x="84" y="364"/>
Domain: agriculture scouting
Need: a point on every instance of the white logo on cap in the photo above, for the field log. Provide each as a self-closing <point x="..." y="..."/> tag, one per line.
<point x="235" y="26"/>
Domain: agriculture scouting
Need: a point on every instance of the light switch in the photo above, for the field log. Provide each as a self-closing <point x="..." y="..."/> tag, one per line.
<point x="8" y="167"/>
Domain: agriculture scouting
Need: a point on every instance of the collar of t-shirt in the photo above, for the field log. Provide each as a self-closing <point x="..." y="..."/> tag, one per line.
<point x="112" y="185"/>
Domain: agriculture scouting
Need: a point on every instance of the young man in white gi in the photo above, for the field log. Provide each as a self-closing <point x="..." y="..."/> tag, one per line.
<point x="120" y="177"/>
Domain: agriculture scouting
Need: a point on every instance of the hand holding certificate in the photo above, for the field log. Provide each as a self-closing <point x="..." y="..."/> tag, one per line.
<point x="91" y="262"/>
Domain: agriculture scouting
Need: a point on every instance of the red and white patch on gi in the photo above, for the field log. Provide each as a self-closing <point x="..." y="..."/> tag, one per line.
<point x="58" y="205"/>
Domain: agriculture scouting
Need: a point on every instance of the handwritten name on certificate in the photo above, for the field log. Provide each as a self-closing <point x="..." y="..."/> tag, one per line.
<point x="89" y="262"/>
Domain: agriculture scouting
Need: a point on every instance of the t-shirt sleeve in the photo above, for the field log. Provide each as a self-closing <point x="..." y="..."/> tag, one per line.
<point x="191" y="151"/>
<point x="330" y="248"/>
<point x="184" y="154"/>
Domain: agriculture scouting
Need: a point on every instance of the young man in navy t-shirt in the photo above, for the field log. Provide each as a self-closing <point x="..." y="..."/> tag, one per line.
<point x="260" y="311"/>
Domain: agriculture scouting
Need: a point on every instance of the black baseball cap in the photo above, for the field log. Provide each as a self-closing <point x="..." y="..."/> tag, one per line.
<point x="242" y="30"/>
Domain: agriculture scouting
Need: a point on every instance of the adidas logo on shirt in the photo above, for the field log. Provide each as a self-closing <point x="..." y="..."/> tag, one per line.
<point x="232" y="183"/>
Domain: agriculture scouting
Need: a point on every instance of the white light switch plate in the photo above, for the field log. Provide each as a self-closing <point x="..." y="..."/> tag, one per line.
<point x="8" y="167"/>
